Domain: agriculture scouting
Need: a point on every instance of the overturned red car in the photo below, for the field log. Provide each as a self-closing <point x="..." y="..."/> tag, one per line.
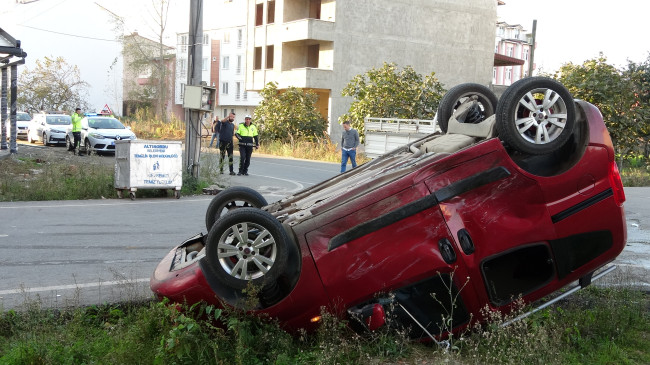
<point x="516" y="198"/>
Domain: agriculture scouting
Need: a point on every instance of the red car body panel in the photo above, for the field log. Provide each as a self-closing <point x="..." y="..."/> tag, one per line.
<point x="373" y="231"/>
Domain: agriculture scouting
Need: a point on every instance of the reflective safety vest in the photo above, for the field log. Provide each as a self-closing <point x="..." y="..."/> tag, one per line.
<point x="76" y="122"/>
<point x="247" y="135"/>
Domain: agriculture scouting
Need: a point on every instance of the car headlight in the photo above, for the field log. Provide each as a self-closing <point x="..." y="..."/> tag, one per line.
<point x="96" y="135"/>
<point x="133" y="137"/>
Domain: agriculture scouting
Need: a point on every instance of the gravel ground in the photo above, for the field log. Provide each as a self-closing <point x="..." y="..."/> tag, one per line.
<point x="54" y="154"/>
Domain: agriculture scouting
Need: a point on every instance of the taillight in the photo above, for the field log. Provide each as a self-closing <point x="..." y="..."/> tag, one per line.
<point x="617" y="184"/>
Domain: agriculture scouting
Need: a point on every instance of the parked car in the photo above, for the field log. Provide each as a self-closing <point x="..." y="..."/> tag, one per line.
<point x="518" y="199"/>
<point x="48" y="128"/>
<point x="22" y="124"/>
<point x="99" y="133"/>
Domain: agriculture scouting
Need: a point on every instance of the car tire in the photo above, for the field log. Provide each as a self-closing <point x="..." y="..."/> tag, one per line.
<point x="247" y="245"/>
<point x="459" y="93"/>
<point x="230" y="199"/>
<point x="68" y="144"/>
<point x="89" y="149"/>
<point x="538" y="128"/>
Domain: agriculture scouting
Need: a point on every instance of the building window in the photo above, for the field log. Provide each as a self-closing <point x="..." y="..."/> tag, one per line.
<point x="226" y="37"/>
<point x="312" y="55"/>
<point x="240" y="37"/>
<point x="238" y="64"/>
<point x="314" y="9"/>
<point x="206" y="39"/>
<point x="510" y="51"/>
<point x="269" y="56"/>
<point x="182" y="67"/>
<point x="508" y="74"/>
<point x="526" y="54"/>
<point x="270" y="16"/>
<point x="225" y="113"/>
<point x="204" y="64"/>
<point x="245" y="95"/>
<point x="259" y="14"/>
<point x="224" y="88"/>
<point x="182" y="91"/>
<point x="494" y="73"/>
<point x="226" y="62"/>
<point x="183" y="41"/>
<point x="257" y="61"/>
<point x="237" y="90"/>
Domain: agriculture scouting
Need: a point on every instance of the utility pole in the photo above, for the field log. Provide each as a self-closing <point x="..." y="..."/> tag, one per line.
<point x="194" y="76"/>
<point x="532" y="50"/>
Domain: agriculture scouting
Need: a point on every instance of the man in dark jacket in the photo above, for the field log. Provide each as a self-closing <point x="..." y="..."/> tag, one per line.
<point x="247" y="136"/>
<point x="226" y="130"/>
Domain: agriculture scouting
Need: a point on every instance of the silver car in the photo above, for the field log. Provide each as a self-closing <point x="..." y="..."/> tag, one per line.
<point x="22" y="124"/>
<point x="99" y="133"/>
<point x="49" y="128"/>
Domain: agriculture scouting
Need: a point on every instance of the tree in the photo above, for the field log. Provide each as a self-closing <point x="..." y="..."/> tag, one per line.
<point x="144" y="57"/>
<point x="289" y="115"/>
<point x="53" y="85"/>
<point x="639" y="75"/>
<point x="612" y="91"/>
<point x="387" y="92"/>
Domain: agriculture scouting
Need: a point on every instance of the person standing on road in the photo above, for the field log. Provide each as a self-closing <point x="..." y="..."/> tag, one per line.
<point x="248" y="138"/>
<point x="76" y="130"/>
<point x="226" y="129"/>
<point x="215" y="133"/>
<point x="349" y="144"/>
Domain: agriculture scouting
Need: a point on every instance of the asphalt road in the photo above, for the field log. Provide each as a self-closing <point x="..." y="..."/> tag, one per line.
<point x="61" y="253"/>
<point x="64" y="253"/>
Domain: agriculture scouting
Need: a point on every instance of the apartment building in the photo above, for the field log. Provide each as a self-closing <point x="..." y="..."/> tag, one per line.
<point x="512" y="50"/>
<point x="224" y="59"/>
<point x="141" y="77"/>
<point x="322" y="44"/>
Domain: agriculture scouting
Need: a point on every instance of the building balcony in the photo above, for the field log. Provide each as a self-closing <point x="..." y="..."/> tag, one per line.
<point x="306" y="29"/>
<point x="307" y="77"/>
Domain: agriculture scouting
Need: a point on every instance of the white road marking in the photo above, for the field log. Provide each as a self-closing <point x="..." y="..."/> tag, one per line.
<point x="175" y="201"/>
<point x="71" y="286"/>
<point x="299" y="185"/>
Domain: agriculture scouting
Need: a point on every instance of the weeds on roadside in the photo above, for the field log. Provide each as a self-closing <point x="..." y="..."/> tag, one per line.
<point x="34" y="179"/>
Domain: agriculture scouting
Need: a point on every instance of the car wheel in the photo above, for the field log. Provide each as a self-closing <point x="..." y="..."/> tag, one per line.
<point x="230" y="199"/>
<point x="486" y="99"/>
<point x="89" y="149"/>
<point x="245" y="246"/>
<point x="68" y="144"/>
<point x="536" y="115"/>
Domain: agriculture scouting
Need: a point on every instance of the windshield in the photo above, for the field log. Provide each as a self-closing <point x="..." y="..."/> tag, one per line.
<point x="105" y="123"/>
<point x="59" y="120"/>
<point x="23" y="117"/>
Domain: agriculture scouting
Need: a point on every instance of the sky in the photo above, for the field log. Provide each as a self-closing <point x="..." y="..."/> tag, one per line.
<point x="577" y="30"/>
<point x="81" y="32"/>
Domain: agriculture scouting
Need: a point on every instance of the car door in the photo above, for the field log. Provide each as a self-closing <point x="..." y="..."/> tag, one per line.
<point x="499" y="223"/>
<point x="394" y="244"/>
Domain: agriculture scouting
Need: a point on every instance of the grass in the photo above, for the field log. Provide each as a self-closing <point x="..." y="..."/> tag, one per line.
<point x="597" y="326"/>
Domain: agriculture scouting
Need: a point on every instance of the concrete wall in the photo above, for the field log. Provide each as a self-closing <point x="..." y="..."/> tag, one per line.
<point x="454" y="39"/>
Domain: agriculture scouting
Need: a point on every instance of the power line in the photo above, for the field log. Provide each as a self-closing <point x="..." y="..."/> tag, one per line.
<point x="69" y="35"/>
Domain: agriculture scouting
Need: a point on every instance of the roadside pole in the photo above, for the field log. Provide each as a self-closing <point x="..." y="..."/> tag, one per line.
<point x="194" y="77"/>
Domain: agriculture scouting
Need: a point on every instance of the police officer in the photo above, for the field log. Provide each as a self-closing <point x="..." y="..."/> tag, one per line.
<point x="247" y="137"/>
<point x="76" y="130"/>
